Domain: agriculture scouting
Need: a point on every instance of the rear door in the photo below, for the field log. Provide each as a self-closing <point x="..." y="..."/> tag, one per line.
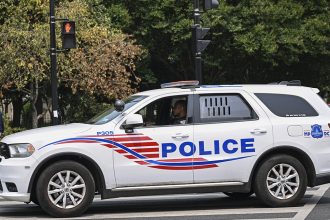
<point x="230" y="129"/>
<point x="300" y="119"/>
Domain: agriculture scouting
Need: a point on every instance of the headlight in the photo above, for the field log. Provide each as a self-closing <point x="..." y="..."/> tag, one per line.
<point x="21" y="150"/>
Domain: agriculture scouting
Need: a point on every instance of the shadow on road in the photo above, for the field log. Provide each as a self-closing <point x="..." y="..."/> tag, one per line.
<point x="148" y="204"/>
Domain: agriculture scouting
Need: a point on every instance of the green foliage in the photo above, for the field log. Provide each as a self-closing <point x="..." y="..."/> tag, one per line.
<point x="80" y="107"/>
<point x="253" y="41"/>
<point x="163" y="27"/>
<point x="264" y="41"/>
<point x="104" y="63"/>
<point x="8" y="128"/>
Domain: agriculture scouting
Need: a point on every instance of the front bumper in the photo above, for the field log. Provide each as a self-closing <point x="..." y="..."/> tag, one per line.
<point x="16" y="172"/>
<point x="20" y="197"/>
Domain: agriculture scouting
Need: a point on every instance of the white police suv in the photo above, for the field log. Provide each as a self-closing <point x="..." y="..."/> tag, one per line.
<point x="271" y="140"/>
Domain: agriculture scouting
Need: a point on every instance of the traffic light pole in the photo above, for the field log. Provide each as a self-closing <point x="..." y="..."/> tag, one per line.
<point x="53" y="62"/>
<point x="198" y="34"/>
<point x="197" y="55"/>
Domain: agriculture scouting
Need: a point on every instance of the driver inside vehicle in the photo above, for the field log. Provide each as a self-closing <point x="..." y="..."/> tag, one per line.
<point x="179" y="112"/>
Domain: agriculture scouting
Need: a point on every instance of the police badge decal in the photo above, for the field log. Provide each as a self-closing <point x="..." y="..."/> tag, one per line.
<point x="317" y="131"/>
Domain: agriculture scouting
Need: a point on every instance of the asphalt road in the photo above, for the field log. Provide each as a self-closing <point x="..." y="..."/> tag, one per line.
<point x="315" y="205"/>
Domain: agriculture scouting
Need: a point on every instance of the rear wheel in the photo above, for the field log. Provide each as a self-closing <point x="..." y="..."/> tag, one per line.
<point x="65" y="189"/>
<point x="281" y="180"/>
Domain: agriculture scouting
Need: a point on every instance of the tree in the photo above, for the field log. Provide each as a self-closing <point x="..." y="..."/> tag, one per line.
<point x="253" y="41"/>
<point x="164" y="28"/>
<point x="103" y="64"/>
<point x="264" y="41"/>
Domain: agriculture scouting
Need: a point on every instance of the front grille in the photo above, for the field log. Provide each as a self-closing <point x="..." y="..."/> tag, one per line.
<point x="4" y="150"/>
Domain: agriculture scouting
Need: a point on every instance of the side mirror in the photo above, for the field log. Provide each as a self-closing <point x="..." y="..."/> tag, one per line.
<point x="119" y="105"/>
<point x="133" y="121"/>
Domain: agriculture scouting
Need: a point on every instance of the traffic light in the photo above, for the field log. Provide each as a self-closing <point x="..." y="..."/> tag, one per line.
<point x="68" y="35"/>
<point x="210" y="4"/>
<point x="198" y="34"/>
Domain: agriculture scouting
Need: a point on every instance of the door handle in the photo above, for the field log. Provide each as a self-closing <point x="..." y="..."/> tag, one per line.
<point x="180" y="136"/>
<point x="258" y="131"/>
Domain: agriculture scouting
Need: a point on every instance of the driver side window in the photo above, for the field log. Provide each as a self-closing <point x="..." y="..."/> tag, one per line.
<point x="165" y="111"/>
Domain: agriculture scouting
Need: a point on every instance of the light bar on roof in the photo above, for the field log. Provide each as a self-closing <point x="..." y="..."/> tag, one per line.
<point x="179" y="84"/>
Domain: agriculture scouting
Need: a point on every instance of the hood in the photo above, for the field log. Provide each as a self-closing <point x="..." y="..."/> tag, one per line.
<point x="51" y="132"/>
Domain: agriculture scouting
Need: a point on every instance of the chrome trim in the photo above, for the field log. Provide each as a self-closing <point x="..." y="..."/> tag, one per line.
<point x="194" y="185"/>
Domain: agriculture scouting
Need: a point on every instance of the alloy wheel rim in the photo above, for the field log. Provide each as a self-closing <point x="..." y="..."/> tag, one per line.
<point x="283" y="181"/>
<point x="66" y="189"/>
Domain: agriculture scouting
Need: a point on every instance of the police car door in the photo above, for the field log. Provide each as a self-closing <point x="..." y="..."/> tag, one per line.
<point x="229" y="132"/>
<point x="151" y="154"/>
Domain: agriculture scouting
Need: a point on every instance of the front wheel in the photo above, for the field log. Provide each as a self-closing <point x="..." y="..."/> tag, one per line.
<point x="281" y="180"/>
<point x="65" y="189"/>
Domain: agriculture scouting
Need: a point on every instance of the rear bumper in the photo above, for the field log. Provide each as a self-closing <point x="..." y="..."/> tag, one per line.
<point x="322" y="179"/>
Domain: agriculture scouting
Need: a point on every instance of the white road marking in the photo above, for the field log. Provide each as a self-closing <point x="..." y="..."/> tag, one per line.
<point x="308" y="207"/>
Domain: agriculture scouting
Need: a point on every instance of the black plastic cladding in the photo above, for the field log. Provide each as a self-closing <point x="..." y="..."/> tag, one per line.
<point x="4" y="150"/>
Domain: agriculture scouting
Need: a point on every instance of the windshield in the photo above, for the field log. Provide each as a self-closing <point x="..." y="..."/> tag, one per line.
<point x="111" y="113"/>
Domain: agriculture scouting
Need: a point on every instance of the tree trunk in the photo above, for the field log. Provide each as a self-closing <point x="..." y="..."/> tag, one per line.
<point x="34" y="97"/>
<point x="17" y="110"/>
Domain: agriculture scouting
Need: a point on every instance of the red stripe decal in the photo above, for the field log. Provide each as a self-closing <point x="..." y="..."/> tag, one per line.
<point x="140" y="150"/>
<point x="121" y="139"/>
<point x="205" y="166"/>
<point x="130" y="156"/>
<point x="141" y="162"/>
<point x="172" y="168"/>
<point x="151" y="155"/>
<point x="141" y="144"/>
<point x="184" y="168"/>
<point x="109" y="145"/>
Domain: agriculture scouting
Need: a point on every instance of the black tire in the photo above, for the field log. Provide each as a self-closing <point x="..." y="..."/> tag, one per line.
<point x="238" y="195"/>
<point x="35" y="201"/>
<point x="260" y="181"/>
<point x="42" y="189"/>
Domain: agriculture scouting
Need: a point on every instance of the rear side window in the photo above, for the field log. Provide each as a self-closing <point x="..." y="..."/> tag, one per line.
<point x="223" y="107"/>
<point x="287" y="105"/>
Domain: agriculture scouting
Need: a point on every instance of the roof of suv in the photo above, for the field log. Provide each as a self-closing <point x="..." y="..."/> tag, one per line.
<point x="267" y="88"/>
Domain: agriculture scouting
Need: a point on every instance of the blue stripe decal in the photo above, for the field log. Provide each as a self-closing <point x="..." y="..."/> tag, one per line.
<point x="195" y="163"/>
